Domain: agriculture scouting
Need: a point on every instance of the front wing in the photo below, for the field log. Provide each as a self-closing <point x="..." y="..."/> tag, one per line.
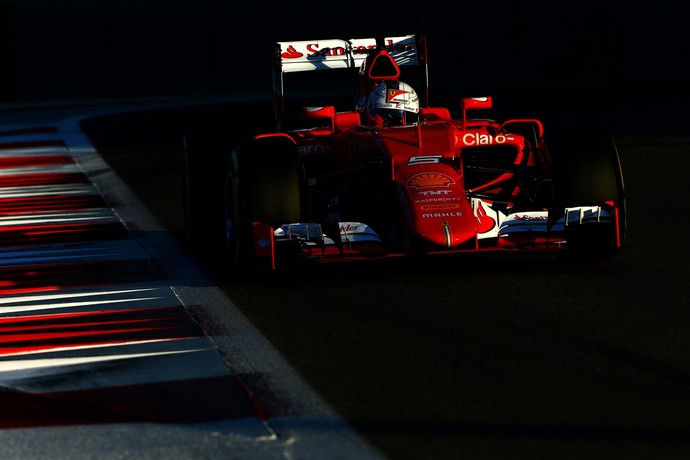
<point x="518" y="232"/>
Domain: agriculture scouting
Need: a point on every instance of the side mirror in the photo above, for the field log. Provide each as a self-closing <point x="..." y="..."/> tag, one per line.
<point x="472" y="103"/>
<point x="318" y="113"/>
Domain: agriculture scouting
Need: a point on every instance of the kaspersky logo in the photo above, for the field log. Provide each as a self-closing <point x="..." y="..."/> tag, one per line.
<point x="425" y="180"/>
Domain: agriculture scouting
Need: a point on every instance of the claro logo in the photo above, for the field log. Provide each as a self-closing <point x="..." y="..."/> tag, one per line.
<point x="471" y="139"/>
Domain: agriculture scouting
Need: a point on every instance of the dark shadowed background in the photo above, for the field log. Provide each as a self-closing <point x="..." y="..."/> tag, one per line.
<point x="66" y="50"/>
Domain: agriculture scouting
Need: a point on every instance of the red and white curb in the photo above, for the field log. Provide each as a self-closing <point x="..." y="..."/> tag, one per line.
<point x="89" y="332"/>
<point x="100" y="356"/>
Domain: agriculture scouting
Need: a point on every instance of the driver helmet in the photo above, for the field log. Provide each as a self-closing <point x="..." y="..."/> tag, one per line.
<point x="393" y="103"/>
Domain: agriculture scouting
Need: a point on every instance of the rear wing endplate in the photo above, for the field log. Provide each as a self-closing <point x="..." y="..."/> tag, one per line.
<point x="310" y="55"/>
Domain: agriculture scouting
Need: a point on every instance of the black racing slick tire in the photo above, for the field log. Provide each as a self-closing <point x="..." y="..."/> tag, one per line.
<point x="587" y="172"/>
<point x="204" y="169"/>
<point x="264" y="183"/>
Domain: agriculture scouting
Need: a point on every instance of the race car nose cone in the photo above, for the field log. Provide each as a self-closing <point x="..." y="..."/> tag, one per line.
<point x="447" y="224"/>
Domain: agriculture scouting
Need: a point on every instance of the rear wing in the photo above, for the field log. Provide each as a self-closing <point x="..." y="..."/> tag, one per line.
<point x="408" y="51"/>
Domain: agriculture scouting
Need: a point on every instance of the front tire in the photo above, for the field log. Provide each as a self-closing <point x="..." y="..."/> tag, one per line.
<point x="265" y="183"/>
<point x="203" y="186"/>
<point x="587" y="172"/>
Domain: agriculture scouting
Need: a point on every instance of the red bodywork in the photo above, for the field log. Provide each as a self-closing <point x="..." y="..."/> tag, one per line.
<point x="445" y="184"/>
<point x="424" y="162"/>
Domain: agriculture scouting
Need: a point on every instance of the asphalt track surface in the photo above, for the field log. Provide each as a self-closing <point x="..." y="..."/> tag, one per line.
<point x="101" y="353"/>
<point x="466" y="359"/>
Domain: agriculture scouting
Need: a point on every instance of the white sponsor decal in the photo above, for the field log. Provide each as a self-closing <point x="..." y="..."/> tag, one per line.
<point x="424" y="160"/>
<point x="312" y="149"/>
<point x="434" y="192"/>
<point x="471" y="139"/>
<point x="433" y="200"/>
<point x="441" y="214"/>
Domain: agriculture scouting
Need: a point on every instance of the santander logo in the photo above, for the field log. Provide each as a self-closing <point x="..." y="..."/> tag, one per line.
<point x="338" y="49"/>
<point x="291" y="53"/>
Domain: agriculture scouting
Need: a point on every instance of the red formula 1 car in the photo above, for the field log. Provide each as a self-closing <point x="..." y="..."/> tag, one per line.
<point x="391" y="176"/>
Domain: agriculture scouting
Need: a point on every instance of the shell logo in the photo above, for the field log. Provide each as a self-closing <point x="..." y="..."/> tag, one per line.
<point x="424" y="180"/>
